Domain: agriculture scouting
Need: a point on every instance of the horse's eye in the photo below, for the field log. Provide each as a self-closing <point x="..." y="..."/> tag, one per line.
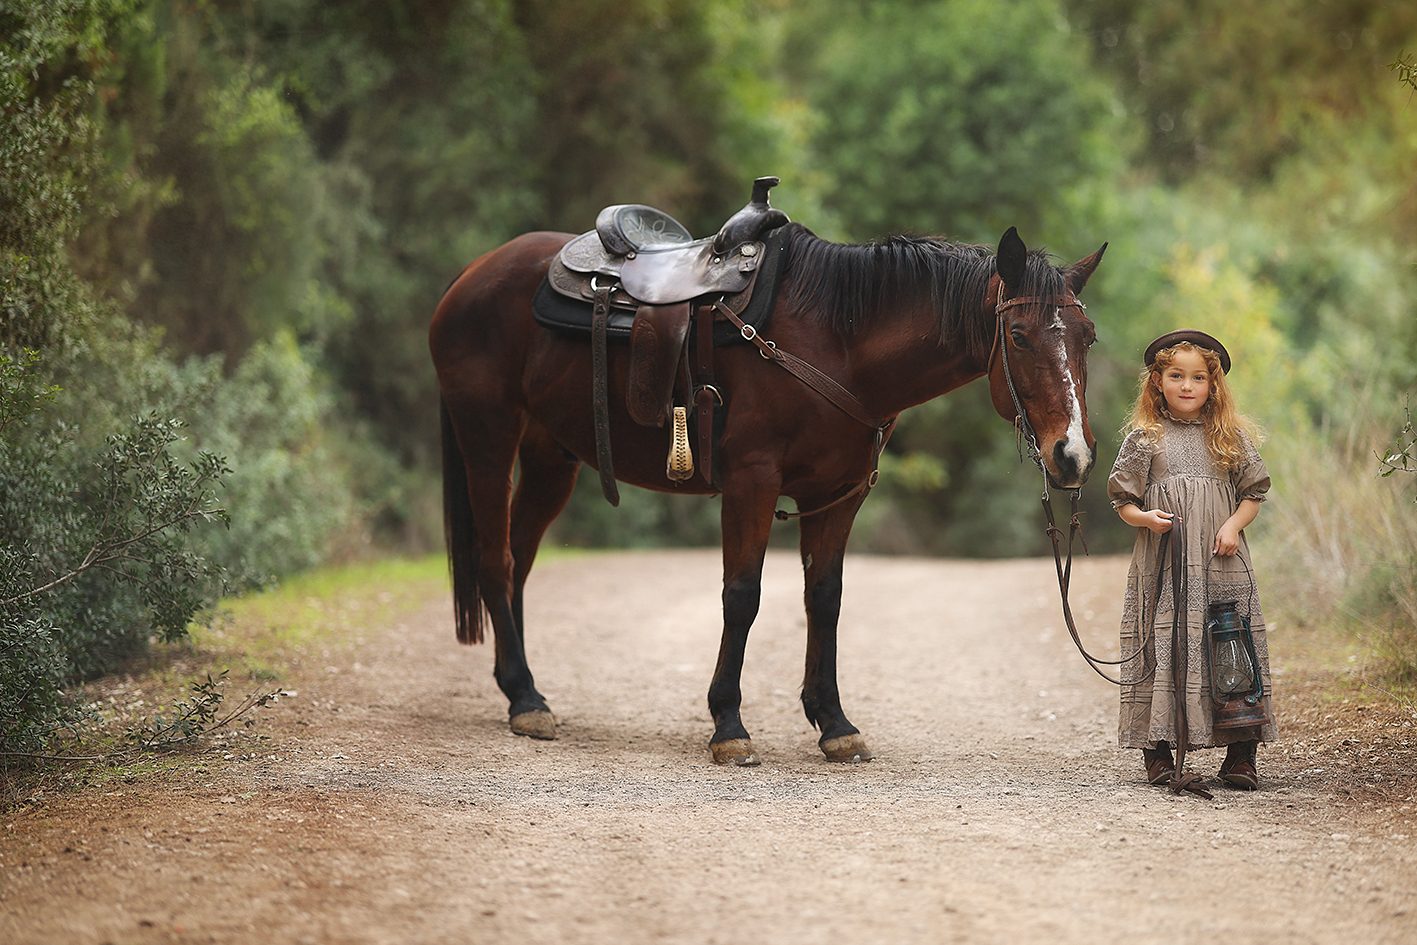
<point x="1020" y="340"/>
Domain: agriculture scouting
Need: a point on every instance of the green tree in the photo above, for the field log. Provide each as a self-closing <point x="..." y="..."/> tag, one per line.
<point x="979" y="118"/>
<point x="50" y="59"/>
<point x="1235" y="85"/>
<point x="214" y="214"/>
<point x="100" y="544"/>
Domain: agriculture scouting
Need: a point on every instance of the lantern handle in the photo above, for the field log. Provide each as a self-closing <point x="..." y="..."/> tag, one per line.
<point x="1249" y="573"/>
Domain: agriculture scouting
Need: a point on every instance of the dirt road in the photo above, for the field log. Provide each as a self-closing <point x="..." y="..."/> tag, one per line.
<point x="391" y="804"/>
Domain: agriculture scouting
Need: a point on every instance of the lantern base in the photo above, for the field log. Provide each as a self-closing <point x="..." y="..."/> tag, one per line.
<point x="1239" y="713"/>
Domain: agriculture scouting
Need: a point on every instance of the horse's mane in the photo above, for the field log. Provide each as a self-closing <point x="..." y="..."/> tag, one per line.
<point x="846" y="284"/>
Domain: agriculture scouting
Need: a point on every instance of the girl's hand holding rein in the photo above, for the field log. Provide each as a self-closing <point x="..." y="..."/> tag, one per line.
<point x="1156" y="520"/>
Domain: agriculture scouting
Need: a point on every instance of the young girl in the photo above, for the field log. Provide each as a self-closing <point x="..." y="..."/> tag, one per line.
<point x="1189" y="467"/>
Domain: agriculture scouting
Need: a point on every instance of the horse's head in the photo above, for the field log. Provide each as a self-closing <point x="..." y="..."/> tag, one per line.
<point x="1038" y="365"/>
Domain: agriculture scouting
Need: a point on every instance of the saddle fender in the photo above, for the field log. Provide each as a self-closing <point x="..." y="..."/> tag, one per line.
<point x="656" y="350"/>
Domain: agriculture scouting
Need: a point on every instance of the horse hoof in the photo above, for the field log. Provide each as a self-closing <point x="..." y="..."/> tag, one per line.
<point x="539" y="724"/>
<point x="735" y="751"/>
<point x="850" y="749"/>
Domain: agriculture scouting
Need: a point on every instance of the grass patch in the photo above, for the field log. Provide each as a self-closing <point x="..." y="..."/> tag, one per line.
<point x="316" y="613"/>
<point x="1339" y="552"/>
<point x="327" y="607"/>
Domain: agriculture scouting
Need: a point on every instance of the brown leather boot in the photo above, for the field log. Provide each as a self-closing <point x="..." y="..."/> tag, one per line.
<point x="1160" y="765"/>
<point x="1238" y="769"/>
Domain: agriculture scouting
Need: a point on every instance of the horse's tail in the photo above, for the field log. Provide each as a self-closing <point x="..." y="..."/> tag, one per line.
<point x="460" y="533"/>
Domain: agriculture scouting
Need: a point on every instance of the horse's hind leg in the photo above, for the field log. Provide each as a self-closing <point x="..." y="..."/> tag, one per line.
<point x="490" y="442"/>
<point x="546" y="479"/>
<point x="823" y="547"/>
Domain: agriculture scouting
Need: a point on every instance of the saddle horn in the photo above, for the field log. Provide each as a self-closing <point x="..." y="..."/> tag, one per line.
<point x="755" y="218"/>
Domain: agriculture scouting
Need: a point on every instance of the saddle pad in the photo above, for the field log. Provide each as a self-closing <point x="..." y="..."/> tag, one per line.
<point x="573" y="316"/>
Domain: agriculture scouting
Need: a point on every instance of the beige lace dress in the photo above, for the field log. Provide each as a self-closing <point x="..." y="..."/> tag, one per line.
<point x="1178" y="475"/>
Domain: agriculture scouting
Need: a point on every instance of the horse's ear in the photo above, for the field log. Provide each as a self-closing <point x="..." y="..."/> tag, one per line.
<point x="1012" y="258"/>
<point x="1079" y="272"/>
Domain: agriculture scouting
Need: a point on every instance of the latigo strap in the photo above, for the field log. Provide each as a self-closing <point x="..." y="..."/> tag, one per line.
<point x="600" y="395"/>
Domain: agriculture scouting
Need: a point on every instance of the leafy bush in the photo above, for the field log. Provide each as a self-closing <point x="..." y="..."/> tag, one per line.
<point x="101" y="489"/>
<point x="289" y="490"/>
<point x="32" y="676"/>
<point x="94" y="549"/>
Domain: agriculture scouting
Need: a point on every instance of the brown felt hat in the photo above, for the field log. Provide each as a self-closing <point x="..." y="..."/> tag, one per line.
<point x="1198" y="338"/>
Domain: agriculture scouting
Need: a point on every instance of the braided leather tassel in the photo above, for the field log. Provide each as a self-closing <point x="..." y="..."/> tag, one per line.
<point x="681" y="461"/>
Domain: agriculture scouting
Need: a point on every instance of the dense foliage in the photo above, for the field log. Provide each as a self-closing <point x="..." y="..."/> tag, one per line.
<point x="111" y="497"/>
<point x="223" y="227"/>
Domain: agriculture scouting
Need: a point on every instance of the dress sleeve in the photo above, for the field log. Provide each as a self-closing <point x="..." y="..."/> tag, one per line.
<point x="1131" y="471"/>
<point x="1251" y="478"/>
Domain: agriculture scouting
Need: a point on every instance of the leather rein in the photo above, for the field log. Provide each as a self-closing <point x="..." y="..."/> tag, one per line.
<point x="845" y="401"/>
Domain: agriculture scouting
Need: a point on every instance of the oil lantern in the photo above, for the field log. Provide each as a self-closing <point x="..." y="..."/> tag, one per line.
<point x="1236" y="688"/>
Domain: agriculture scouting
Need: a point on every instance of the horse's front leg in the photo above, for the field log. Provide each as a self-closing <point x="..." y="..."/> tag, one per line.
<point x="748" y="503"/>
<point x="823" y="548"/>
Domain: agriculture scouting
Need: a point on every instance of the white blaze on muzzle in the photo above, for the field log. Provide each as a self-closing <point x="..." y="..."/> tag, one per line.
<point x="1075" y="441"/>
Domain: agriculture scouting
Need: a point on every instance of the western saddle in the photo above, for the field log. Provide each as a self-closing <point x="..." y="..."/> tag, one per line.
<point x="646" y="279"/>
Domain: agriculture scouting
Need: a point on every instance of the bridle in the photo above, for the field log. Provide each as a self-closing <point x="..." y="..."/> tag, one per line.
<point x="1026" y="432"/>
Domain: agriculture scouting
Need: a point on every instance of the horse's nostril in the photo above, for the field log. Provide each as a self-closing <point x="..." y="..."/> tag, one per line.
<point x="1072" y="467"/>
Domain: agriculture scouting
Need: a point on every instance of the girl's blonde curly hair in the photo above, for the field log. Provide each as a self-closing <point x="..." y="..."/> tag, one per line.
<point x="1222" y="421"/>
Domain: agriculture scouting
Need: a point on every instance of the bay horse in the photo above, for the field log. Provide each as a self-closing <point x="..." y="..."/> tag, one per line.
<point x="894" y="322"/>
